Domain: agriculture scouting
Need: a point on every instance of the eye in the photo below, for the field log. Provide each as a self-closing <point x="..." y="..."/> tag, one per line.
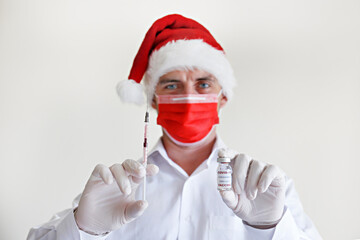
<point x="204" y="85"/>
<point x="171" y="86"/>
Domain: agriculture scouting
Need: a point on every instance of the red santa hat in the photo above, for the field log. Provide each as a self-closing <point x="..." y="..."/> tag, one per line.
<point x="175" y="43"/>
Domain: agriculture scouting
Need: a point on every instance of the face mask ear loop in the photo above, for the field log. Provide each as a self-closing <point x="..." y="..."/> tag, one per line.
<point x="156" y="96"/>
<point x="219" y="94"/>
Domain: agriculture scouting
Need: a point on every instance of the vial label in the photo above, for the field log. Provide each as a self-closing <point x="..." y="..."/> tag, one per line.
<point x="224" y="179"/>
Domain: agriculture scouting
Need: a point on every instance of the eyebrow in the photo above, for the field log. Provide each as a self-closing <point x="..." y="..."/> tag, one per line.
<point x="164" y="81"/>
<point x="207" y="78"/>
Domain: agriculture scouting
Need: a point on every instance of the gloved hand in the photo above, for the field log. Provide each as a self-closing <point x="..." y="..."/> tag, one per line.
<point x="258" y="192"/>
<point x="108" y="200"/>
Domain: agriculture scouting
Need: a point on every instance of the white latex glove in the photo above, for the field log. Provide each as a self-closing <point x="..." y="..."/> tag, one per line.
<point x="258" y="192"/>
<point x="108" y="200"/>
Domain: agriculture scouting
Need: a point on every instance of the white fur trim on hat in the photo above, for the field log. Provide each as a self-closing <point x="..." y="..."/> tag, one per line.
<point x="189" y="54"/>
<point x="130" y="91"/>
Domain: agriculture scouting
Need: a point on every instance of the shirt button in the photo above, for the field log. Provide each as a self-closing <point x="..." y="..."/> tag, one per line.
<point x="188" y="218"/>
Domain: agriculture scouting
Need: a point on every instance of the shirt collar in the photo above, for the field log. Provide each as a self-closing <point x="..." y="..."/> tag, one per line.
<point x="160" y="149"/>
<point x="217" y="145"/>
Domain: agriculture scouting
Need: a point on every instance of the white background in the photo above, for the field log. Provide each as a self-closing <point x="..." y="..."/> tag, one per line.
<point x="297" y="102"/>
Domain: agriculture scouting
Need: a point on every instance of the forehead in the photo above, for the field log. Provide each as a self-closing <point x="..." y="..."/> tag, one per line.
<point x="193" y="74"/>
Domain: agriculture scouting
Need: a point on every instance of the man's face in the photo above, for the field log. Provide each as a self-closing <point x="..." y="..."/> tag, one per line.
<point x="188" y="82"/>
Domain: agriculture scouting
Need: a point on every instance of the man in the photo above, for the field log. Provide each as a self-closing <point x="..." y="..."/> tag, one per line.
<point x="188" y="80"/>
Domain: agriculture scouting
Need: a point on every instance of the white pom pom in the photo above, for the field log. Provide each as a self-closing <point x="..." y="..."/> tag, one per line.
<point x="130" y="91"/>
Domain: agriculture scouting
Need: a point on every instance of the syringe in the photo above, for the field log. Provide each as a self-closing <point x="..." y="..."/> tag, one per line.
<point x="145" y="150"/>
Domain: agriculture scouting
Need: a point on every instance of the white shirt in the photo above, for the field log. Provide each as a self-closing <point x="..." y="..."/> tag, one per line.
<point x="186" y="207"/>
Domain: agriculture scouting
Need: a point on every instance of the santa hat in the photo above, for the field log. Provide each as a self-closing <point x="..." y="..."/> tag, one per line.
<point x="175" y="43"/>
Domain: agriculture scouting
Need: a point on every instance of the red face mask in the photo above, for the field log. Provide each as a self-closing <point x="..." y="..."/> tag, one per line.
<point x="188" y="118"/>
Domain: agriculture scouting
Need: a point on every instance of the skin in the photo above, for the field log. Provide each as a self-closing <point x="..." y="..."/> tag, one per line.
<point x="189" y="82"/>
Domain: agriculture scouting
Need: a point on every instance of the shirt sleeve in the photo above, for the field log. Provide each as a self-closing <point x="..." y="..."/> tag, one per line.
<point x="62" y="226"/>
<point x="295" y="224"/>
<point x="254" y="233"/>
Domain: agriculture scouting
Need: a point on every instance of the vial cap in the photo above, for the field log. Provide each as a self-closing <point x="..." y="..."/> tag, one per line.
<point x="222" y="153"/>
<point x="224" y="159"/>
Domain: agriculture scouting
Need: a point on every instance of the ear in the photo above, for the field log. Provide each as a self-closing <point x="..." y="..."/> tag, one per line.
<point x="154" y="103"/>
<point x="223" y="100"/>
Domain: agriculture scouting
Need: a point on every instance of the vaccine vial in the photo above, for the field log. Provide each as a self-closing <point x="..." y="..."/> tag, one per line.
<point x="224" y="172"/>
